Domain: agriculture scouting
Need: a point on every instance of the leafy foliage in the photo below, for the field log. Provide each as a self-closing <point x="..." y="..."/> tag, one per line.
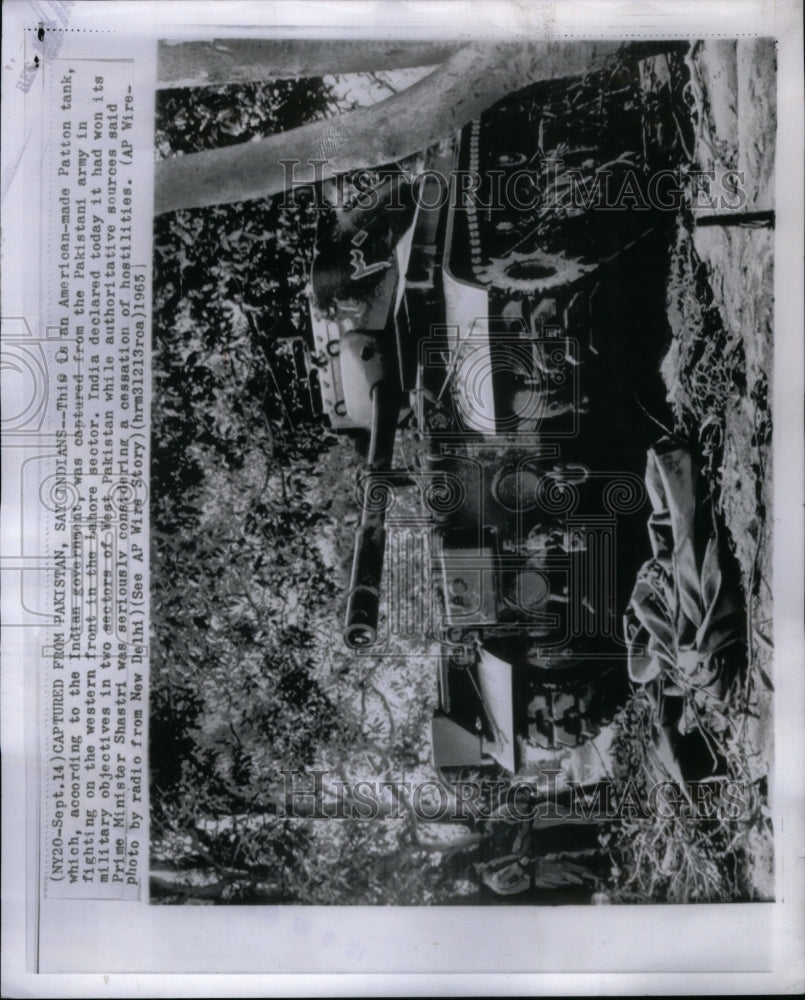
<point x="190" y="119"/>
<point x="236" y="690"/>
<point x="252" y="520"/>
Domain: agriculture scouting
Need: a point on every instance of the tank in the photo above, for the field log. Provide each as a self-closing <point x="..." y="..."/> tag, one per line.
<point x="485" y="343"/>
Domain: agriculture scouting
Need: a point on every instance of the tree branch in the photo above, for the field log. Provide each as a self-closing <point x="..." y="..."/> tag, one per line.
<point x="246" y="60"/>
<point x="432" y="109"/>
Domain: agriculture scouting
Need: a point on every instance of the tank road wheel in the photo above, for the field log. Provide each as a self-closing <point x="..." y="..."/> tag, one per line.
<point x="533" y="273"/>
<point x="568" y="711"/>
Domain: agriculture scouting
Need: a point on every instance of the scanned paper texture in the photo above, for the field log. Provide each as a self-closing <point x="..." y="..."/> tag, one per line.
<point x="402" y="486"/>
<point x="95" y="683"/>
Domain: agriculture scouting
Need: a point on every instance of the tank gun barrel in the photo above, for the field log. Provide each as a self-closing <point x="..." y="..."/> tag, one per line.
<point x="363" y="602"/>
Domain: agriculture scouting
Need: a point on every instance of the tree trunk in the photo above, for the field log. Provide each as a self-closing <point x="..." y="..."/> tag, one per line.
<point x="245" y="60"/>
<point x="166" y="883"/>
<point x="434" y="108"/>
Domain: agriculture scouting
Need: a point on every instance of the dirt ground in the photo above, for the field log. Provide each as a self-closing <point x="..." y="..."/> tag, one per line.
<point x="718" y="373"/>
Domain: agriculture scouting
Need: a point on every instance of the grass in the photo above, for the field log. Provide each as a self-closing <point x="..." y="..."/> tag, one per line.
<point x="704" y="850"/>
<point x="704" y="368"/>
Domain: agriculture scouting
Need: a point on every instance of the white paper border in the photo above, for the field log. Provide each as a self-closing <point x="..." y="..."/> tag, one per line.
<point x="722" y="939"/>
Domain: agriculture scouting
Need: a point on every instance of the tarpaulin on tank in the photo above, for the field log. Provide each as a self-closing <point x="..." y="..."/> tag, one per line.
<point x="685" y="610"/>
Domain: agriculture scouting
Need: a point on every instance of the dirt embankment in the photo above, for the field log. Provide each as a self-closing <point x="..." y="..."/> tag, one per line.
<point x="718" y="374"/>
<point x="720" y="367"/>
<point x="720" y="309"/>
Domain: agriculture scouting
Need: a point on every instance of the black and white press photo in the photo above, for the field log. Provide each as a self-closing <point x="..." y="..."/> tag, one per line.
<point x="403" y="466"/>
<point x="461" y="472"/>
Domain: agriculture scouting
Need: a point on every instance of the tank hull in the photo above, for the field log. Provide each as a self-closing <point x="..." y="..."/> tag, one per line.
<point x="533" y="505"/>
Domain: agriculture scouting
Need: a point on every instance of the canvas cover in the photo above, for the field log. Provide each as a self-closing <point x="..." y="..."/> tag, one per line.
<point x="685" y="608"/>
